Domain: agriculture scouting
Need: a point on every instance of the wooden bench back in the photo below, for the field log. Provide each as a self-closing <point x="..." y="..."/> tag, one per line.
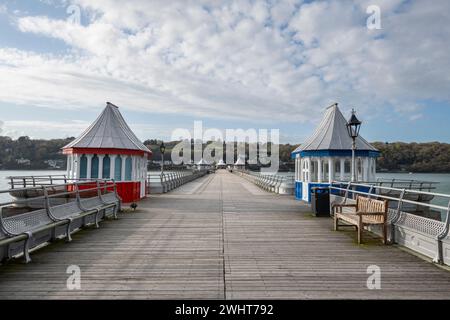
<point x="368" y="205"/>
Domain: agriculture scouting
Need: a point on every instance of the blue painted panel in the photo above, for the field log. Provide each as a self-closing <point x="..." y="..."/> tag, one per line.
<point x="128" y="168"/>
<point x="83" y="167"/>
<point x="336" y="153"/>
<point x="106" y="167"/>
<point x="94" y="168"/>
<point x="315" y="185"/>
<point x="118" y="169"/>
<point x="298" y="190"/>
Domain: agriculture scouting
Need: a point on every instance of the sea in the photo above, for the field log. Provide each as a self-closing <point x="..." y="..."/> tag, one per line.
<point x="443" y="180"/>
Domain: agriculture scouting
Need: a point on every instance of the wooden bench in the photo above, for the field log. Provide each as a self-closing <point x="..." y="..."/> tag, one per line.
<point x="365" y="212"/>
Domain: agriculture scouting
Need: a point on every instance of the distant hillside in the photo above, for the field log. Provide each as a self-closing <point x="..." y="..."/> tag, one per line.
<point x="25" y="153"/>
<point x="414" y="157"/>
<point x="397" y="156"/>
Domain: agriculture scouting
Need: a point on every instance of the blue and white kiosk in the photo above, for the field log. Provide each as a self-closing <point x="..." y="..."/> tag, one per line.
<point x="327" y="156"/>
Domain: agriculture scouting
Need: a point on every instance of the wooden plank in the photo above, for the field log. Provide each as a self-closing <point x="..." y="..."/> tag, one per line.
<point x="221" y="237"/>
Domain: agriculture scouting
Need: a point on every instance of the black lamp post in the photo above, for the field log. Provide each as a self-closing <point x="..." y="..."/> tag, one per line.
<point x="353" y="127"/>
<point x="162" y="148"/>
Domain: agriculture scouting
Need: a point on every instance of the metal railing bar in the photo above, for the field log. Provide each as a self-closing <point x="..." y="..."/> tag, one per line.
<point x="394" y="199"/>
<point x="396" y="189"/>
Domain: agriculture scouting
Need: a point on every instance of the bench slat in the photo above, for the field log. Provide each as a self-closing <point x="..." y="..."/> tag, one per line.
<point x="366" y="212"/>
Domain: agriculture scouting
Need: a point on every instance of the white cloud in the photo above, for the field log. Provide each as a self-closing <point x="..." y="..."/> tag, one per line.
<point x="39" y="129"/>
<point x="72" y="128"/>
<point x="236" y="59"/>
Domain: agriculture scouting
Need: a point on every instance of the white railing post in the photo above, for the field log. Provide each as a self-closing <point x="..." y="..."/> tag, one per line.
<point x="370" y="192"/>
<point x="440" y="254"/>
<point x="397" y="215"/>
<point x="347" y="192"/>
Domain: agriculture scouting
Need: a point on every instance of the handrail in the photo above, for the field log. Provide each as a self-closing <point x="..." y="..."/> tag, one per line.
<point x="445" y="232"/>
<point x="26" y="181"/>
<point x="393" y="198"/>
<point x="112" y="183"/>
<point x="366" y="184"/>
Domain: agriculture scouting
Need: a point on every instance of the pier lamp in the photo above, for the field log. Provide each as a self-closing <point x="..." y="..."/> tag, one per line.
<point x="353" y="127"/>
<point x="162" y="148"/>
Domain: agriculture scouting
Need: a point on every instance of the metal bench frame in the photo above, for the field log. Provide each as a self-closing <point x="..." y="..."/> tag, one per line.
<point x="77" y="211"/>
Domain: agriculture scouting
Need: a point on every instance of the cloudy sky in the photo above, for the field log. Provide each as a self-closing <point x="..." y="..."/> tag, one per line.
<point x="231" y="64"/>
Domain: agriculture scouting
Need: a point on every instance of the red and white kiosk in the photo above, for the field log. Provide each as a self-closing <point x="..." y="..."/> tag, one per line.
<point x="108" y="149"/>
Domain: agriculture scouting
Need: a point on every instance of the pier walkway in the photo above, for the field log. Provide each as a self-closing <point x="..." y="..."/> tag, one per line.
<point x="221" y="237"/>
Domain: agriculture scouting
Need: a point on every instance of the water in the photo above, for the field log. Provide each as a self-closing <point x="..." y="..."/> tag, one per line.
<point x="442" y="178"/>
<point x="442" y="187"/>
<point x="4" y="174"/>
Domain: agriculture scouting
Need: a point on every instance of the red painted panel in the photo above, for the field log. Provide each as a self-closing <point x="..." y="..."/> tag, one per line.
<point x="105" y="151"/>
<point x="128" y="191"/>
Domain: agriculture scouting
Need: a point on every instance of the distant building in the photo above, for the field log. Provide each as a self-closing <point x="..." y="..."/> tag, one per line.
<point x="55" y="164"/>
<point x="240" y="163"/>
<point x="203" y="165"/>
<point x="221" y="164"/>
<point x="109" y="149"/>
<point x="23" y="162"/>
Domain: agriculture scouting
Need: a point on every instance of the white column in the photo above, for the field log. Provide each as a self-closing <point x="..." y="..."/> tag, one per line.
<point x="361" y="165"/>
<point x="124" y="158"/>
<point x="112" y="166"/>
<point x="366" y="170"/>
<point x="69" y="165"/>
<point x="300" y="169"/>
<point x="308" y="170"/>
<point x="330" y="170"/>
<point x="100" y="166"/>
<point x="77" y="167"/>
<point x="89" y="166"/>
<point x="319" y="170"/>
<point x="73" y="166"/>
<point x="136" y="168"/>
<point x="133" y="168"/>
<point x="373" y="169"/>
<point x="342" y="169"/>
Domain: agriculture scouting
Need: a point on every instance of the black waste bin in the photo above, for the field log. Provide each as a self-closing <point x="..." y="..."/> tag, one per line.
<point x="320" y="201"/>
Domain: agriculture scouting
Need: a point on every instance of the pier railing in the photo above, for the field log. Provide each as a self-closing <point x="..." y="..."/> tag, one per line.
<point x="420" y="226"/>
<point x="406" y="184"/>
<point x="38" y="180"/>
<point x="275" y="183"/>
<point x="20" y="182"/>
<point x="51" y="212"/>
<point x="164" y="182"/>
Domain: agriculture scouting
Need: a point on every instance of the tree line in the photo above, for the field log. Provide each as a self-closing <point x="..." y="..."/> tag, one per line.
<point x="394" y="157"/>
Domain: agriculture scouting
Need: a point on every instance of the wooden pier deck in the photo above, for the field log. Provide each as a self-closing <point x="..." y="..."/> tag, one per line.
<point x="221" y="237"/>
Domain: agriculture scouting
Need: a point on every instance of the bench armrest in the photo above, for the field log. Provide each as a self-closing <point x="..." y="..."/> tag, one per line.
<point x="344" y="205"/>
<point x="361" y="213"/>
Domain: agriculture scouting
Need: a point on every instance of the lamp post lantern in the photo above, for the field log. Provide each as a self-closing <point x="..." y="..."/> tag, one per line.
<point x="162" y="148"/>
<point x="353" y="127"/>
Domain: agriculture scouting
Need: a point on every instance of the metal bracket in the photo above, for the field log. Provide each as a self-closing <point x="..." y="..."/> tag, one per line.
<point x="347" y="192"/>
<point x="97" y="219"/>
<point x="370" y="192"/>
<point x="440" y="252"/>
<point x="397" y="215"/>
<point x="68" y="235"/>
<point x="26" y="247"/>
